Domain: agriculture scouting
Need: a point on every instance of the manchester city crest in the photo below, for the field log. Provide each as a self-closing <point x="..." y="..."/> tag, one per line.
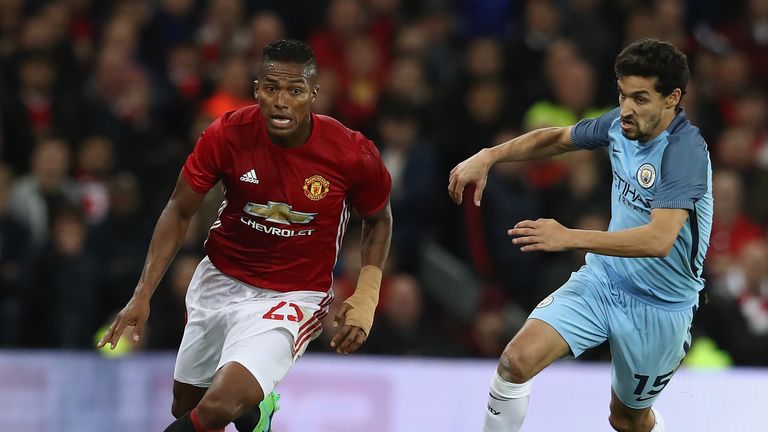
<point x="646" y="175"/>
<point x="546" y="302"/>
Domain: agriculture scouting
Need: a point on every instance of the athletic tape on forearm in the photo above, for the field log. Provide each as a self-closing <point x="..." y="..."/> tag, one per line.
<point x="364" y="299"/>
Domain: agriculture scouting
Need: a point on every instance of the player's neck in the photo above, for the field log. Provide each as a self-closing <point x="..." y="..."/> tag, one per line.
<point x="301" y="136"/>
<point x="667" y="116"/>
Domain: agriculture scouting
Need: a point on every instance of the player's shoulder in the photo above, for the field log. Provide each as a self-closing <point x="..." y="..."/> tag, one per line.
<point x="335" y="131"/>
<point x="684" y="136"/>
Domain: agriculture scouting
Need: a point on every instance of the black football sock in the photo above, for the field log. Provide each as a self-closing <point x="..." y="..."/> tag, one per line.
<point x="182" y="424"/>
<point x="248" y="420"/>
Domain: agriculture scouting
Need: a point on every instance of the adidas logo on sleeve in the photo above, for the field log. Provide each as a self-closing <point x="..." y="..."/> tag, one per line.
<point x="250" y="177"/>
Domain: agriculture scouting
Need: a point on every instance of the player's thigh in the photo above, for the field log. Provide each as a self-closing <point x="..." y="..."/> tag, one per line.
<point x="200" y="351"/>
<point x="185" y="397"/>
<point x="251" y="367"/>
<point x="647" y="346"/>
<point x="206" y="328"/>
<point x="576" y="312"/>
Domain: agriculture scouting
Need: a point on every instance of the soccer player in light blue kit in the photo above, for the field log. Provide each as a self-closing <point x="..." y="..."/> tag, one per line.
<point x="639" y="288"/>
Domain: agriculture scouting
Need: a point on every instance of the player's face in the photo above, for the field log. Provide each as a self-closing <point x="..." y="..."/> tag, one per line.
<point x="643" y="109"/>
<point x="285" y="92"/>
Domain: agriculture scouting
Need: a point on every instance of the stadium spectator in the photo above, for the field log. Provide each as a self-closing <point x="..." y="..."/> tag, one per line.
<point x="37" y="196"/>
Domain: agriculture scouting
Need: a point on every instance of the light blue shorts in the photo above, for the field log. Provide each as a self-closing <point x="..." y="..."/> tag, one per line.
<point x="647" y="341"/>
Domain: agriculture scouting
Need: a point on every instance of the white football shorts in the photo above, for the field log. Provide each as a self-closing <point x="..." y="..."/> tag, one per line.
<point x="263" y="330"/>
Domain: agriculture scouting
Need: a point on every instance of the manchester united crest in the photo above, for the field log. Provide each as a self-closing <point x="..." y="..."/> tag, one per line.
<point x="316" y="187"/>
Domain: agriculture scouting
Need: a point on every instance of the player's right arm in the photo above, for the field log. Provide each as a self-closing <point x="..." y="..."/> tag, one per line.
<point x="169" y="232"/>
<point x="537" y="144"/>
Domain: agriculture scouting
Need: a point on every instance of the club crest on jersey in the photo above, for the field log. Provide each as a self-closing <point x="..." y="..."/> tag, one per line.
<point x="546" y="302"/>
<point x="316" y="187"/>
<point x="646" y="175"/>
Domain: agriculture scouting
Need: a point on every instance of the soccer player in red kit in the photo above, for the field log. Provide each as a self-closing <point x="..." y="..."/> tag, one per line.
<point x="291" y="178"/>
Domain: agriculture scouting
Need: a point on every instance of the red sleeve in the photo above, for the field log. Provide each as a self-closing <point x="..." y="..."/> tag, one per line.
<point x="204" y="165"/>
<point x="370" y="193"/>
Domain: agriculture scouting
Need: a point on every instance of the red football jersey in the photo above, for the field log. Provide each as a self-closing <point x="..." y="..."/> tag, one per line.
<point x="285" y="211"/>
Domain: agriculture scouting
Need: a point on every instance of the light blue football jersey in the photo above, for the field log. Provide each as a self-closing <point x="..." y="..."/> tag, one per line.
<point x="671" y="171"/>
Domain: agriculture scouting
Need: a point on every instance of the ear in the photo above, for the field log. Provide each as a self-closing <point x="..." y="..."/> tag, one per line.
<point x="315" y="89"/>
<point x="256" y="89"/>
<point x="672" y="100"/>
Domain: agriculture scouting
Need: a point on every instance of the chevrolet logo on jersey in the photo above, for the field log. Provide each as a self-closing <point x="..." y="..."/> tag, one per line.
<point x="278" y="212"/>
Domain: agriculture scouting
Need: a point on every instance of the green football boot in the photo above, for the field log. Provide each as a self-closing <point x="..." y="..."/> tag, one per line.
<point x="267" y="408"/>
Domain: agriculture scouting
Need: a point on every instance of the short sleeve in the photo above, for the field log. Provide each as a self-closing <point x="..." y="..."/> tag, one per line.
<point x="590" y="134"/>
<point x="370" y="193"/>
<point x="204" y="165"/>
<point x="684" y="174"/>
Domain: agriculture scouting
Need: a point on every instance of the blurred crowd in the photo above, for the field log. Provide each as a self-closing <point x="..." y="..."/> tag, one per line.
<point x="103" y="100"/>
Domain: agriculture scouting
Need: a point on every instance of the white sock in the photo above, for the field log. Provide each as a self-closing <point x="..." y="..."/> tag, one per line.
<point x="507" y="405"/>
<point x="659" y="425"/>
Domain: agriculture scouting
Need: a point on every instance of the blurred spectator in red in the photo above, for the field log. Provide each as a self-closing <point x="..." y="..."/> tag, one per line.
<point x="35" y="110"/>
<point x="495" y="322"/>
<point x="750" y="33"/>
<point x="364" y="79"/>
<point x="751" y="112"/>
<point x="669" y="16"/>
<point x="186" y="86"/>
<point x="399" y="328"/>
<point x="266" y="27"/>
<point x="734" y="149"/>
<point x="11" y="24"/>
<point x="736" y="316"/>
<point x="325" y="102"/>
<point x="93" y="167"/>
<point x="731" y="228"/>
<point x="732" y="78"/>
<point x="747" y="282"/>
<point x="222" y="34"/>
<point x="357" y="50"/>
<point x="234" y="89"/>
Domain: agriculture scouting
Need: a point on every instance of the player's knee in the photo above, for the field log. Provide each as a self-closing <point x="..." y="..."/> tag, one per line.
<point x="514" y="365"/>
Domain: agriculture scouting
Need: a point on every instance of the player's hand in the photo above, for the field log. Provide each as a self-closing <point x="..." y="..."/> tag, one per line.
<point x="473" y="170"/>
<point x="349" y="337"/>
<point x="134" y="314"/>
<point x="540" y="235"/>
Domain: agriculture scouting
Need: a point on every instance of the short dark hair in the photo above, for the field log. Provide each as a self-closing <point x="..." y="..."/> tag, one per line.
<point x="651" y="58"/>
<point x="291" y="51"/>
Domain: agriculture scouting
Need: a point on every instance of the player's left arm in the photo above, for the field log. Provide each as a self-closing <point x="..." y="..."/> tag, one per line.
<point x="654" y="239"/>
<point x="358" y="310"/>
